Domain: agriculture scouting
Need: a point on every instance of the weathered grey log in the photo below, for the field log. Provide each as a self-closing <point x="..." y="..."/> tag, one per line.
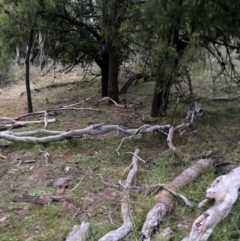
<point x="79" y="232"/>
<point x="164" y="200"/>
<point x="224" y="190"/>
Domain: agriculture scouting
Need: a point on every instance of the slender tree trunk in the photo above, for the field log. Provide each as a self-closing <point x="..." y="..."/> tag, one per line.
<point x="41" y="41"/>
<point x="17" y="55"/>
<point x="113" y="73"/>
<point x="27" y="64"/>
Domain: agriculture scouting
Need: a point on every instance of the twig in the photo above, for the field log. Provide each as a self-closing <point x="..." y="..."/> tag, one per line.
<point x="76" y="185"/>
<point x="139" y="158"/>
<point x="123" y="139"/>
<point x="107" y="183"/>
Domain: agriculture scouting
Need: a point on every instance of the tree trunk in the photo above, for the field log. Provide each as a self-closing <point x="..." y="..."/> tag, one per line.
<point x="41" y="41"/>
<point x="129" y="82"/>
<point x="27" y="63"/>
<point x="105" y="70"/>
<point x="161" y="93"/>
<point x="113" y="73"/>
<point x="18" y="55"/>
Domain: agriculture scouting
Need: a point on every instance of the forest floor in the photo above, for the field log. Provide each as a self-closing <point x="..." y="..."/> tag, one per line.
<point x="90" y="163"/>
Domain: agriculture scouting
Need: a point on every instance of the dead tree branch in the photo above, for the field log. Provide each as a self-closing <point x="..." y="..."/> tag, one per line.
<point x="164" y="200"/>
<point x="111" y="100"/>
<point x="8" y="123"/>
<point x="126" y="228"/>
<point x="224" y="190"/>
<point x="79" y="232"/>
<point x="51" y="136"/>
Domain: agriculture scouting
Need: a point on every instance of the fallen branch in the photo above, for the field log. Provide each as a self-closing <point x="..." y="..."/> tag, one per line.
<point x="72" y="105"/>
<point x="51" y="136"/>
<point x="9" y="123"/>
<point x="126" y="228"/>
<point x="224" y="190"/>
<point x="79" y="232"/>
<point x="164" y="200"/>
<point x="73" y="108"/>
<point x="111" y="100"/>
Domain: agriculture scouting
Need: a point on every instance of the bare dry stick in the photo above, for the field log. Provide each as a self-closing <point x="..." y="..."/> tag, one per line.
<point x="114" y="102"/>
<point x="78" y="103"/>
<point x="164" y="200"/>
<point x="126" y="228"/>
<point x="74" y="108"/>
<point x="224" y="190"/>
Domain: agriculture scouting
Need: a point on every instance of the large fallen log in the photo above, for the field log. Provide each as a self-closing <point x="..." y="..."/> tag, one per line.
<point x="164" y="200"/>
<point x="224" y="190"/>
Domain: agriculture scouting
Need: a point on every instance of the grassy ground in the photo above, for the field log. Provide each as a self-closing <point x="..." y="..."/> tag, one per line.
<point x="87" y="197"/>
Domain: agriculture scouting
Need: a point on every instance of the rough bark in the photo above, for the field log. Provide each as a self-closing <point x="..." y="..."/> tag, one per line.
<point x="27" y="64"/>
<point x="41" y="41"/>
<point x="113" y="73"/>
<point x="105" y="70"/>
<point x="160" y="97"/>
<point x="164" y="200"/>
